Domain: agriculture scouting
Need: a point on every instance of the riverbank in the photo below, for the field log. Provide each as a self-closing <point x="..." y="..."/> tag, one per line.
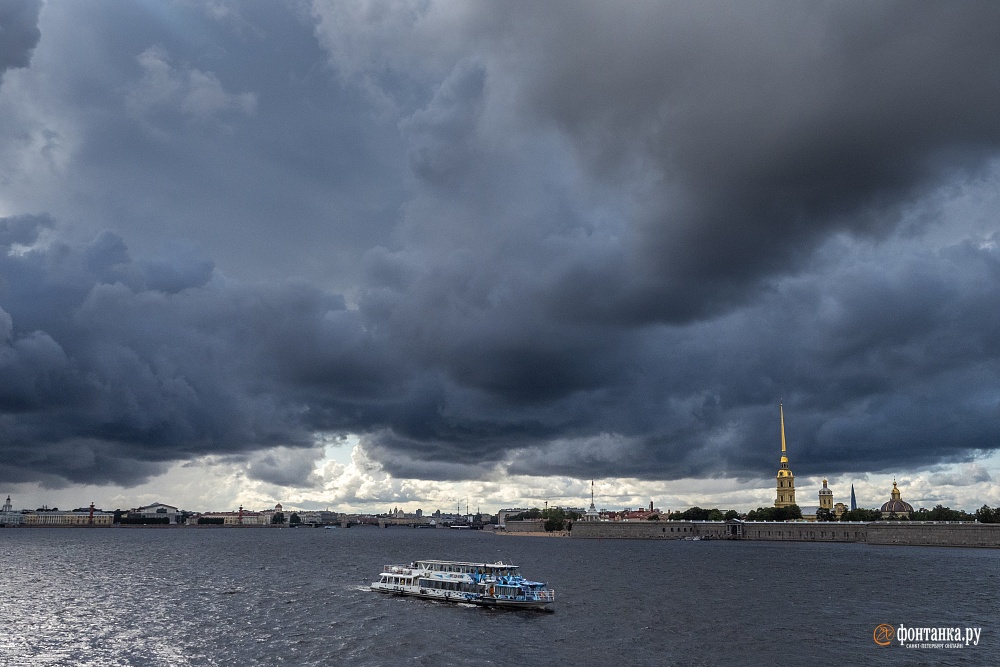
<point x="912" y="533"/>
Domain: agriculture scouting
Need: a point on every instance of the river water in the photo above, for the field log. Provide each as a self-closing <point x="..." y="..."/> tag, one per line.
<point x="175" y="597"/>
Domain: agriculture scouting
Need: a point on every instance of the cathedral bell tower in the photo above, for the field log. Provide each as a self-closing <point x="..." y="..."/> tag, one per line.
<point x="786" y="480"/>
<point x="825" y="497"/>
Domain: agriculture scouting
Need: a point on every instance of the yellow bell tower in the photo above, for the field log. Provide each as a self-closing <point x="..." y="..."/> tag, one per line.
<point x="786" y="480"/>
<point x="825" y="497"/>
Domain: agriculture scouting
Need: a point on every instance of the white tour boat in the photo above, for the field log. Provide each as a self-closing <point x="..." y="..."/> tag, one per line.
<point x="488" y="584"/>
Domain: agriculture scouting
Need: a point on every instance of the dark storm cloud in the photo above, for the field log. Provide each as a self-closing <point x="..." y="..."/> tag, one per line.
<point x="764" y="127"/>
<point x="572" y="239"/>
<point x="621" y="318"/>
<point x="112" y="366"/>
<point x="19" y="33"/>
<point x="163" y="123"/>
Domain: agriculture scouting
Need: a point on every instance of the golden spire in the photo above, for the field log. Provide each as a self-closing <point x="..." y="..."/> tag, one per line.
<point x="786" y="481"/>
<point x="781" y="409"/>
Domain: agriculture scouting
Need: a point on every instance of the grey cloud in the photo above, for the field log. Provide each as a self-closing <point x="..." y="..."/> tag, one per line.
<point x="965" y="476"/>
<point x="236" y="141"/>
<point x="19" y="33"/>
<point x="765" y="128"/>
<point x="102" y="368"/>
<point x="286" y="467"/>
<point x="113" y="378"/>
<point x="196" y="94"/>
<point x="22" y="229"/>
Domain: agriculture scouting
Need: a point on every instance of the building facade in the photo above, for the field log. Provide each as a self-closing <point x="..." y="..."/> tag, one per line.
<point x="92" y="517"/>
<point x="8" y="517"/>
<point x="158" y="511"/>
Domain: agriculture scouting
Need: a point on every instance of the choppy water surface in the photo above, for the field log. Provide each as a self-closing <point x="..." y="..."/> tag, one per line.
<point x="298" y="597"/>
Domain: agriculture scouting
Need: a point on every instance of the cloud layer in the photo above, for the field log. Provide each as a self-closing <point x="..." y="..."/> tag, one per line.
<point x="533" y="239"/>
<point x="19" y="33"/>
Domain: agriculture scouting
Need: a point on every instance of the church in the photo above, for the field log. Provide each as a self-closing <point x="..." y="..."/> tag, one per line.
<point x="896" y="508"/>
<point x="785" y="489"/>
<point x="786" y="480"/>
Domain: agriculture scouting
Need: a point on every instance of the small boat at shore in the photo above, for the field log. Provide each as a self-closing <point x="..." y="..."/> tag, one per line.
<point x="485" y="584"/>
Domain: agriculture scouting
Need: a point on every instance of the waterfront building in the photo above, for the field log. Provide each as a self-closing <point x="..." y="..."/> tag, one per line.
<point x="8" y="517"/>
<point x="501" y="514"/>
<point x="318" y="517"/>
<point x="896" y="507"/>
<point x="838" y="510"/>
<point x="241" y="517"/>
<point x="267" y="516"/>
<point x="785" y="478"/>
<point x="157" y="511"/>
<point x="91" y="517"/>
<point x="642" y="514"/>
<point x="810" y="513"/>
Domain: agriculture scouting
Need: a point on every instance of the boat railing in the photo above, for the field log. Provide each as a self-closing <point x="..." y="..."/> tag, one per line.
<point x="546" y="595"/>
<point x="396" y="569"/>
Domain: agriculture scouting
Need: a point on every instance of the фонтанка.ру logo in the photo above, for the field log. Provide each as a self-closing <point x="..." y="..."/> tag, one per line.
<point x="911" y="637"/>
<point x="884" y="634"/>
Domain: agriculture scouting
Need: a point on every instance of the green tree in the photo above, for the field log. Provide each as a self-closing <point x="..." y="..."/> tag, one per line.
<point x="731" y="514"/>
<point x="986" y="514"/>
<point x="941" y="513"/>
<point x="789" y="513"/>
<point x="701" y="514"/>
<point x="823" y="514"/>
<point x="555" y="518"/>
<point x="278" y="518"/>
<point x="294" y="520"/>
<point x="861" y="514"/>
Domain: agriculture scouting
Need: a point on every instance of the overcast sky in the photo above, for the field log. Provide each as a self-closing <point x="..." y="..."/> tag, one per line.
<point x="361" y="254"/>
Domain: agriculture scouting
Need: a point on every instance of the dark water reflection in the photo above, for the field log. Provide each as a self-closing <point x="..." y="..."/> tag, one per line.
<point x="298" y="597"/>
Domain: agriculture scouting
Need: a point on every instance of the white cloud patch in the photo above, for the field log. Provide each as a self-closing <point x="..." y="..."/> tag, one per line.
<point x="197" y="95"/>
<point x="964" y="475"/>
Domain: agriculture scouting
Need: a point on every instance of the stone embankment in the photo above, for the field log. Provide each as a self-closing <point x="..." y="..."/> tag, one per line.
<point x="931" y="533"/>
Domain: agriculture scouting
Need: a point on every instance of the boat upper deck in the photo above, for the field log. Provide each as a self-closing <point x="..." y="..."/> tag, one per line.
<point x="461" y="567"/>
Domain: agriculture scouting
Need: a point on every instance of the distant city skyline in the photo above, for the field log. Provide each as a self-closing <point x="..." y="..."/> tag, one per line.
<point x="959" y="486"/>
<point x="330" y="255"/>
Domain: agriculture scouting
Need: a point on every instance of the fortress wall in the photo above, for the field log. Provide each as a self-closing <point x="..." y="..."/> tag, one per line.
<point x="887" y="532"/>
<point x="529" y="526"/>
<point x="802" y="531"/>
<point x="637" y="530"/>
<point x="935" y="533"/>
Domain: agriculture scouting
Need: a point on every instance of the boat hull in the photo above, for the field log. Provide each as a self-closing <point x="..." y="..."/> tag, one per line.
<point x="466" y="598"/>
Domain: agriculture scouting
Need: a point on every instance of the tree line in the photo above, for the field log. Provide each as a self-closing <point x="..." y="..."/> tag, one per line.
<point x="700" y="514"/>
<point x="556" y="518"/>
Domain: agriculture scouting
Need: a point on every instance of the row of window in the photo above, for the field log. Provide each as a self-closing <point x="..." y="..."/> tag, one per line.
<point x="399" y="581"/>
<point x="812" y="534"/>
<point x="467" y="569"/>
<point x="449" y="586"/>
